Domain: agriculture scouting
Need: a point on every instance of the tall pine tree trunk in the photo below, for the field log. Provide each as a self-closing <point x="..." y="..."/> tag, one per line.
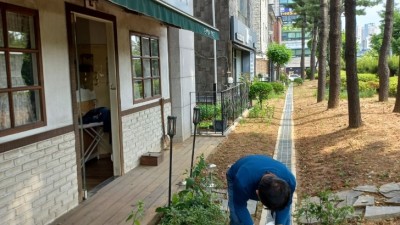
<point x="313" y="49"/>
<point x="351" y="65"/>
<point x="323" y="39"/>
<point x="335" y="46"/>
<point x="383" y="66"/>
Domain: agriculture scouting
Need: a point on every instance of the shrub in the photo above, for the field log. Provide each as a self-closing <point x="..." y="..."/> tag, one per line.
<point x="298" y="81"/>
<point x="393" y="86"/>
<point x="367" y="64"/>
<point x="279" y="88"/>
<point x="260" y="91"/>
<point x="194" y="205"/>
<point x="365" y="77"/>
<point x="207" y="111"/>
<point x="393" y="65"/>
<point x="325" y="211"/>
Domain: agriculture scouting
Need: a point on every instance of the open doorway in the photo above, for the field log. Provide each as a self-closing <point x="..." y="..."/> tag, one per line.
<point x="96" y="101"/>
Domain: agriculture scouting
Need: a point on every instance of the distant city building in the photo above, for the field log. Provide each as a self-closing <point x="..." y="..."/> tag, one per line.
<point x="367" y="31"/>
<point x="291" y="37"/>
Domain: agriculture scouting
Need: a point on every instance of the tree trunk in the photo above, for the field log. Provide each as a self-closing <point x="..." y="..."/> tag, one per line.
<point x="303" y="44"/>
<point x="351" y="65"/>
<point x="314" y="49"/>
<point x="383" y="67"/>
<point x="323" y="38"/>
<point x="335" y="46"/>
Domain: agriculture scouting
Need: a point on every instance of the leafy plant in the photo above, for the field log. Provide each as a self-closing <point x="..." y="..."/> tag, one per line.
<point x="194" y="205"/>
<point x="279" y="88"/>
<point x="298" y="81"/>
<point x="136" y="215"/>
<point x="260" y="91"/>
<point x="325" y="212"/>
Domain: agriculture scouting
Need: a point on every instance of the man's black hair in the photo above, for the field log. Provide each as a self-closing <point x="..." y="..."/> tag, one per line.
<point x="274" y="193"/>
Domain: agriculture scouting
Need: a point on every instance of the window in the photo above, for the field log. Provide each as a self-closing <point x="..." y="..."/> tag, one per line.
<point x="145" y="62"/>
<point x="21" y="83"/>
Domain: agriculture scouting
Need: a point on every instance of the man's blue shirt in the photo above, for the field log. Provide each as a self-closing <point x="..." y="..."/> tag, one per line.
<point x="246" y="173"/>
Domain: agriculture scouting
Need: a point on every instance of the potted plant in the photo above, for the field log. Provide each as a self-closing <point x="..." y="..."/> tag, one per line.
<point x="220" y="122"/>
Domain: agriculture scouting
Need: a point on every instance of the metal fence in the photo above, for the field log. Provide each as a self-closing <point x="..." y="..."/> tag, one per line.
<point x="219" y="110"/>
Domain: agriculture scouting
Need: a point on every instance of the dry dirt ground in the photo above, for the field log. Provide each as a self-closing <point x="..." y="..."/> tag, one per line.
<point x="330" y="156"/>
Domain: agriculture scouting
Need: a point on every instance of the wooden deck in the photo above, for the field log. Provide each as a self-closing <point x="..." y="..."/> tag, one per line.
<point x="112" y="204"/>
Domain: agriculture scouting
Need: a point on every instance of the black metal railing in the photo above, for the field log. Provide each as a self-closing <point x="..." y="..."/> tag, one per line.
<point x="219" y="110"/>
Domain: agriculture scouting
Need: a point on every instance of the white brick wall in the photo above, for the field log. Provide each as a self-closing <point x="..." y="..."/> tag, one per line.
<point x="38" y="182"/>
<point x="141" y="133"/>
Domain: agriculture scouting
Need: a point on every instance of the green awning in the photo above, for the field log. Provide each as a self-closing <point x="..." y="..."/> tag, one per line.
<point x="170" y="15"/>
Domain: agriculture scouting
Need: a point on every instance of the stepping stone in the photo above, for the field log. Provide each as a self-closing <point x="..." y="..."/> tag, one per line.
<point x="391" y="194"/>
<point x="381" y="212"/>
<point x="347" y="197"/>
<point x="364" y="200"/>
<point x="395" y="200"/>
<point x="367" y="188"/>
<point x="390" y="190"/>
<point x="390" y="187"/>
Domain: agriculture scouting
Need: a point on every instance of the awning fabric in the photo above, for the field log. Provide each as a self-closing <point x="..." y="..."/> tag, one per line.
<point x="169" y="14"/>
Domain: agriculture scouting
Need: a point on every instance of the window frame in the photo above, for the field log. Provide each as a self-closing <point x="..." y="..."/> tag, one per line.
<point x="143" y="78"/>
<point x="9" y="90"/>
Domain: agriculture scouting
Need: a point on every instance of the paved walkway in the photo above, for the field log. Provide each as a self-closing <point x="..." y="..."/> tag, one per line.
<point x="112" y="204"/>
<point x="284" y="149"/>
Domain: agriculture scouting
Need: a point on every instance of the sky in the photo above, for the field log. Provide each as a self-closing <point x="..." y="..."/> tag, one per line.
<point x="371" y="15"/>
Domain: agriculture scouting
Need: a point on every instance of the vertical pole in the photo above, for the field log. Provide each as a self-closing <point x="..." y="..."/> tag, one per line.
<point x="194" y="142"/>
<point x="170" y="173"/>
<point x="215" y="57"/>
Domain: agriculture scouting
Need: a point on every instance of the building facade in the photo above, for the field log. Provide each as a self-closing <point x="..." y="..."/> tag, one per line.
<point x="235" y="51"/>
<point x="292" y="38"/>
<point x="82" y="81"/>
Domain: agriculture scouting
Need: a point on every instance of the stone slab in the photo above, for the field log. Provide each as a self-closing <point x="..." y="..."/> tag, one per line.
<point x="364" y="200"/>
<point x="381" y="212"/>
<point x="391" y="194"/>
<point x="394" y="200"/>
<point x="367" y="188"/>
<point x="347" y="197"/>
<point x="390" y="187"/>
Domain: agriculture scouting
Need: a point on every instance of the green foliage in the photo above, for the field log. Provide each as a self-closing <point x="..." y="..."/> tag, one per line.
<point x="136" y="215"/>
<point x="368" y="63"/>
<point x="257" y="112"/>
<point x="207" y="111"/>
<point x="260" y="91"/>
<point x="298" y="81"/>
<point x="326" y="211"/>
<point x="284" y="79"/>
<point x="265" y="113"/>
<point x="393" y="86"/>
<point x="279" y="54"/>
<point x="195" y="204"/>
<point x="278" y="88"/>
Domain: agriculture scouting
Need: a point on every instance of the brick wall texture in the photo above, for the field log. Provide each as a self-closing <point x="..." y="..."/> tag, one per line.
<point x="142" y="133"/>
<point x="38" y="182"/>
